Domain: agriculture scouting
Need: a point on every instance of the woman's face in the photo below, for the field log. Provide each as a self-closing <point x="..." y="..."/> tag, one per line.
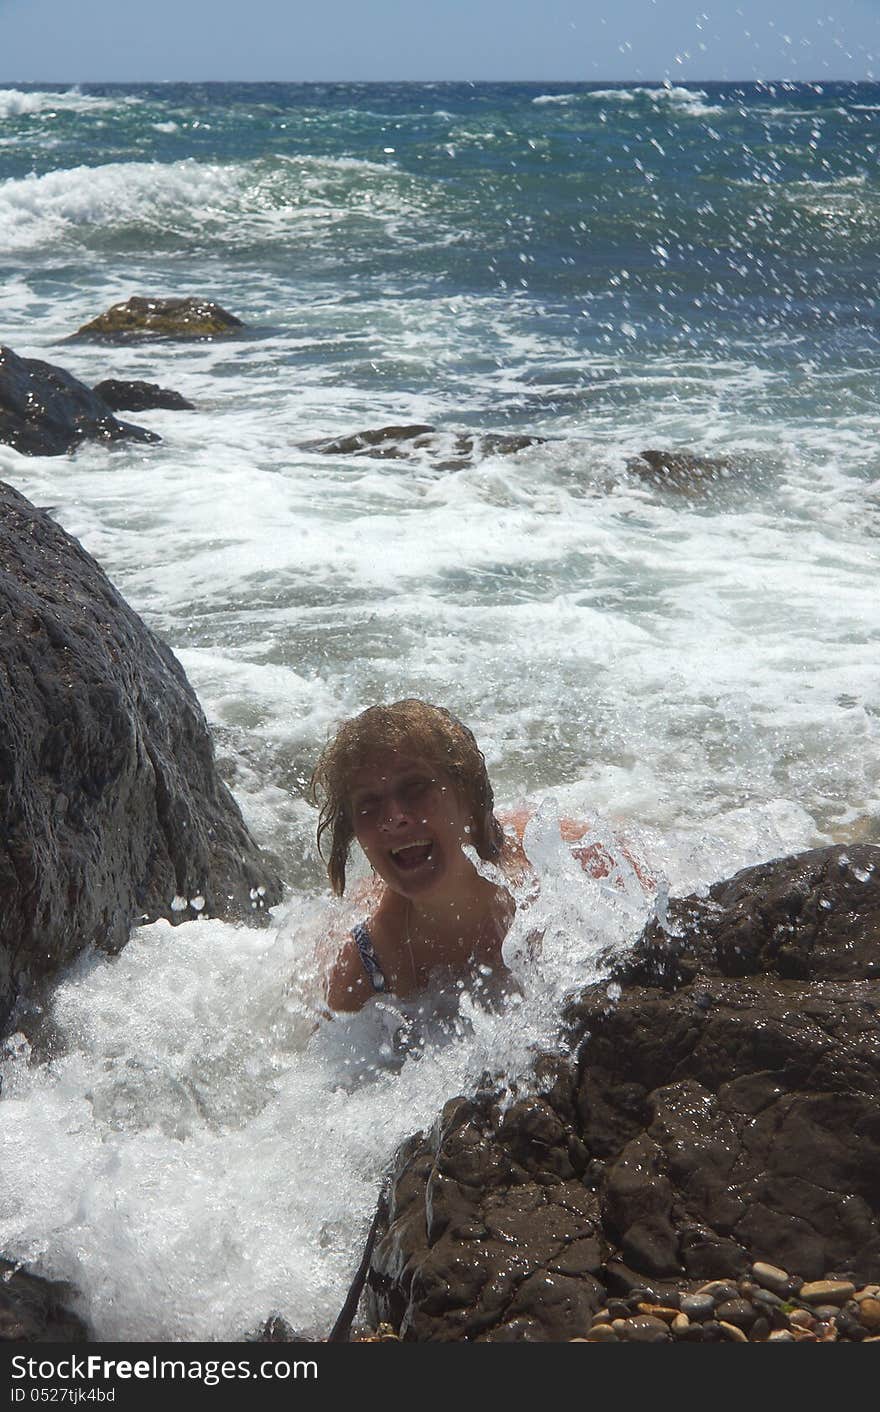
<point x="410" y="822"/>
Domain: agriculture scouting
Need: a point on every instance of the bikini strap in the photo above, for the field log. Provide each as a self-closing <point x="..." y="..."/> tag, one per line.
<point x="364" y="944"/>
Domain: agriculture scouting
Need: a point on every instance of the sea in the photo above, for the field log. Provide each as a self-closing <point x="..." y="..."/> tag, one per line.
<point x="687" y="662"/>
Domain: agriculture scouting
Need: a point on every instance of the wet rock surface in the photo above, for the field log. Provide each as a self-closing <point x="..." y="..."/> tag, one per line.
<point x="111" y="809"/>
<point x="46" y="411"/>
<point x="34" y="1310"/>
<point x="679" y="470"/>
<point x="444" y="450"/>
<point x="717" y="1137"/>
<point x="124" y="396"/>
<point x="141" y="317"/>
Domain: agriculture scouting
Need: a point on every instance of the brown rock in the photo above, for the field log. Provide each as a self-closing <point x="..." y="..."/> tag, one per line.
<point x="826" y="1292"/>
<point x="680" y="470"/>
<point x="658" y="1311"/>
<point x="869" y="1312"/>
<point x="721" y="1120"/>
<point x="445" y="450"/>
<point x="771" y="1277"/>
<point x="643" y="1329"/>
<point x="601" y="1333"/>
<point x="140" y="317"/>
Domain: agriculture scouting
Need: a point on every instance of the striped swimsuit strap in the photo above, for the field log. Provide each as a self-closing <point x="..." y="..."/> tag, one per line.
<point x="364" y="944"/>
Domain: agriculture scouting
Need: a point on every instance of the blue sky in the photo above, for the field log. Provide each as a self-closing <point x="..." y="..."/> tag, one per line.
<point x="103" y="40"/>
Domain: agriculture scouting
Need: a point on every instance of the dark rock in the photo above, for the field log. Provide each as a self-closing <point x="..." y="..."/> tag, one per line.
<point x="815" y="916"/>
<point x="679" y="470"/>
<point x="447" y="451"/>
<point x="34" y="1310"/>
<point x="531" y="1275"/>
<point x="380" y="441"/>
<point x="124" y="396"/>
<point x="737" y="1311"/>
<point x="111" y="810"/>
<point x="643" y="1329"/>
<point x="715" y="1136"/>
<point x="698" y="1306"/>
<point x="45" y="411"/>
<point x="139" y="318"/>
<point x="276" y="1330"/>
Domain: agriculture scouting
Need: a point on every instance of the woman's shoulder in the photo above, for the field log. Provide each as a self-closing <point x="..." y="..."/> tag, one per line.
<point x="348" y="987"/>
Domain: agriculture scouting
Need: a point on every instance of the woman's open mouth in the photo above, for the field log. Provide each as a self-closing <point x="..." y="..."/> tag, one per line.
<point x="412" y="855"/>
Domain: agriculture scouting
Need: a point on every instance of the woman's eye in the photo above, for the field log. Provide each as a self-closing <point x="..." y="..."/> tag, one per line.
<point x="414" y="788"/>
<point x="364" y="807"/>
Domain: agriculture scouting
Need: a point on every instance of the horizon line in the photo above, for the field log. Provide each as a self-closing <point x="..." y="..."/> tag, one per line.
<point x="474" y="82"/>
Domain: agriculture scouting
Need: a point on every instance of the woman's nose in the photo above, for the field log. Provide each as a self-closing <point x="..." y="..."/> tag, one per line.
<point x="394" y="812"/>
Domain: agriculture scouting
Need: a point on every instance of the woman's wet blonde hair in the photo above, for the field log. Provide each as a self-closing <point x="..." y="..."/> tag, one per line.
<point x="415" y="728"/>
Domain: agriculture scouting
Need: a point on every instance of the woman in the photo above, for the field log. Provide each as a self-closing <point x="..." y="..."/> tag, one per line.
<point x="409" y="783"/>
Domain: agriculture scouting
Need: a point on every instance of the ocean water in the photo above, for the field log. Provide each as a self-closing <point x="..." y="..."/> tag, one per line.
<point x="611" y="268"/>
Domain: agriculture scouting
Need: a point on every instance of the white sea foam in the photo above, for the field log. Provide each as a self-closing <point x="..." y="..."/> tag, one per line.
<point x="563" y="98"/>
<point x="275" y="200"/>
<point x="211" y="1149"/>
<point x="17" y="103"/>
<point x="687" y="101"/>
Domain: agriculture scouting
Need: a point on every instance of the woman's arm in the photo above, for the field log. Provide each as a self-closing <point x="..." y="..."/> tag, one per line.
<point x="594" y="858"/>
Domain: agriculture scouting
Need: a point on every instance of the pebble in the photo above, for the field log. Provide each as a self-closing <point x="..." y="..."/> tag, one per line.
<point x="698" y="1306"/>
<point x="770" y="1277"/>
<point x="869" y="1312"/>
<point x="644" y="1329"/>
<point x="601" y="1333"/>
<point x="658" y="1311"/>
<point x="743" y="1311"/>
<point x="737" y="1311"/>
<point x="824" y="1312"/>
<point x="618" y="1308"/>
<point x="826" y="1292"/>
<point x="720" y="1289"/>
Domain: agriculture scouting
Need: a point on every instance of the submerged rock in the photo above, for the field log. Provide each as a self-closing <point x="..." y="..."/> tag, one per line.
<point x="111" y="809"/>
<point x="46" y="411"/>
<point x="445" y="450"/>
<point x="679" y="470"/>
<point x="160" y="318"/>
<point x="124" y="396"/>
<point x="722" y="1117"/>
<point x="34" y="1310"/>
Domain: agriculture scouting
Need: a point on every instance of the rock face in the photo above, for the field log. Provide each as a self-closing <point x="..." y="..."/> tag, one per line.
<point x="45" y="411"/>
<point x="725" y="1109"/>
<point x="445" y="450"/>
<point x="111" y="810"/>
<point x="139" y="396"/>
<point x="33" y="1310"/>
<point x="160" y="318"/>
